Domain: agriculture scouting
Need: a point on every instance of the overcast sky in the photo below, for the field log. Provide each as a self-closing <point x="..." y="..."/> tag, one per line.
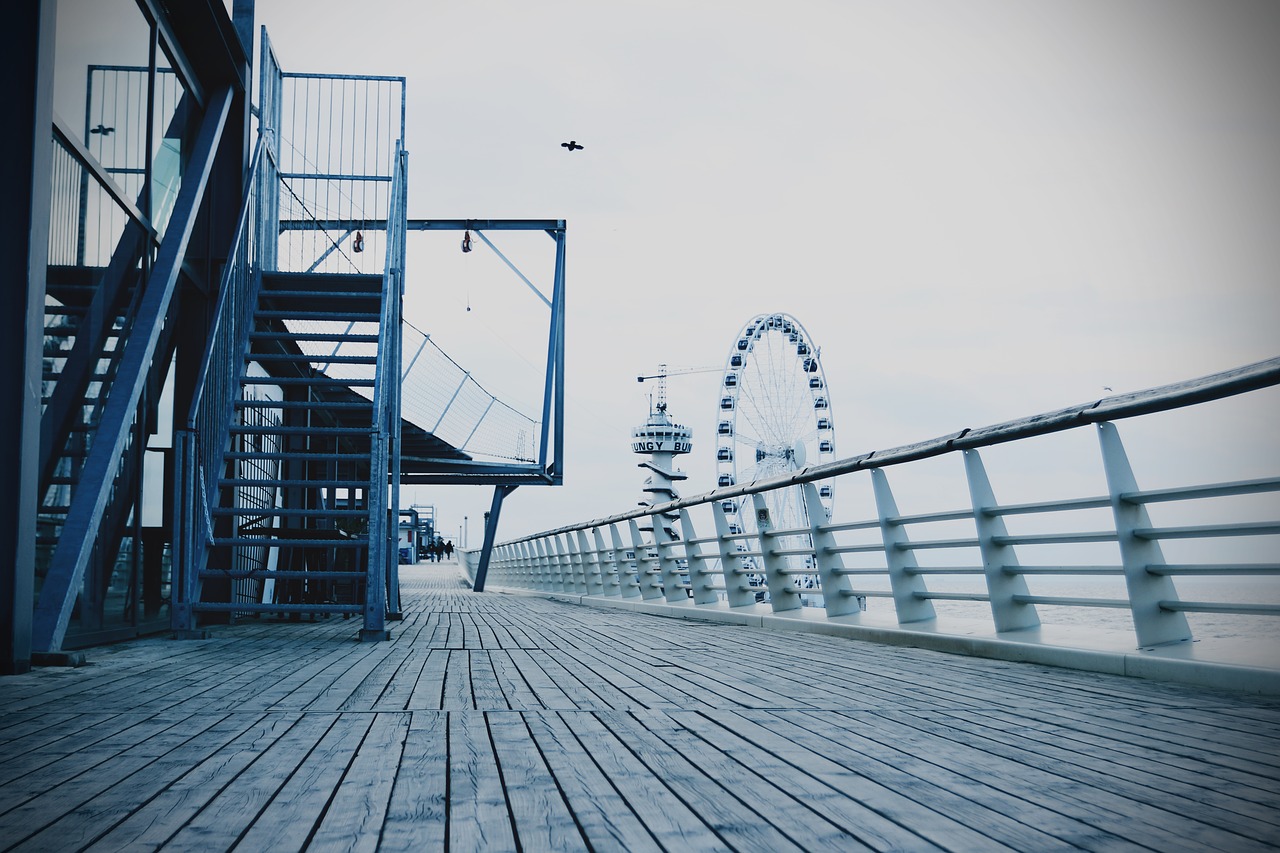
<point x="979" y="210"/>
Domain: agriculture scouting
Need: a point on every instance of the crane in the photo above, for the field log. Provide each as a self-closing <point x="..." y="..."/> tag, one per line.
<point x="662" y="375"/>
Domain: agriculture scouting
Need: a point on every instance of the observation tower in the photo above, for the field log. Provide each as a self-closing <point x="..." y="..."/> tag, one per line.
<point x="662" y="440"/>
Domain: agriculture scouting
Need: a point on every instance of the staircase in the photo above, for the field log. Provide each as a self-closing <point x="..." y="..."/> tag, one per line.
<point x="85" y="326"/>
<point x="283" y="499"/>
<point x="291" y="524"/>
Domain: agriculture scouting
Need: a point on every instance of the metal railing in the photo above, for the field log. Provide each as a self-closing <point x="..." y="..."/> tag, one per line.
<point x="444" y="399"/>
<point x="384" y="502"/>
<point x="891" y="579"/>
<point x="200" y="443"/>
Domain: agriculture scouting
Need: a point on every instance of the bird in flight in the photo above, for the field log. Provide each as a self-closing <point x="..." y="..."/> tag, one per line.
<point x="572" y="145"/>
<point x="101" y="128"/>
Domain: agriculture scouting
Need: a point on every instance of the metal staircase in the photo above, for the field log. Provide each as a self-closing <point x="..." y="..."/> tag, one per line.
<point x="286" y="495"/>
<point x="297" y="473"/>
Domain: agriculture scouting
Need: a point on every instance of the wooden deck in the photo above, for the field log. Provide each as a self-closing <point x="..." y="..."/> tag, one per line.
<point x="496" y="722"/>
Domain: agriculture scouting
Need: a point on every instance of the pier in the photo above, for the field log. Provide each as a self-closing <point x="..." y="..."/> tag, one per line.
<point x="500" y="722"/>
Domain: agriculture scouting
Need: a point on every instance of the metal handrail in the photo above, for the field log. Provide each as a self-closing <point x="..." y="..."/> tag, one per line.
<point x="597" y="558"/>
<point x="383" y="529"/>
<point x="1228" y="383"/>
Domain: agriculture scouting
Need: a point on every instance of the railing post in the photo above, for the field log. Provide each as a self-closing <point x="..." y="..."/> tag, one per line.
<point x="664" y="544"/>
<point x="703" y="593"/>
<point x="577" y="563"/>
<point x="1153" y="625"/>
<point x="550" y="568"/>
<point x="783" y="594"/>
<point x="590" y="565"/>
<point x="1002" y="586"/>
<point x="837" y="592"/>
<point x="182" y="571"/>
<point x="513" y="570"/>
<point x="563" y="566"/>
<point x="537" y="571"/>
<point x="607" y="562"/>
<point x="628" y="587"/>
<point x="546" y="552"/>
<point x="650" y="588"/>
<point x="901" y="560"/>
<point x="735" y="591"/>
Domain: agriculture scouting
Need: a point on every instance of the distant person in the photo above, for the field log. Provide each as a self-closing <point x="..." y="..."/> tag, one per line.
<point x="448" y="549"/>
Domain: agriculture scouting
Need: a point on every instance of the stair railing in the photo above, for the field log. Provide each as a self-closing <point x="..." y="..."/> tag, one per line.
<point x="381" y="587"/>
<point x="200" y="443"/>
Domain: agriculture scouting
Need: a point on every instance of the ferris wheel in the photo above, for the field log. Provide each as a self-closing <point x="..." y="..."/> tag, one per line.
<point x="774" y="418"/>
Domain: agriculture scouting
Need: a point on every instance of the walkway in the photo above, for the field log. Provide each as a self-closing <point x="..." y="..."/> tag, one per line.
<point x="500" y="723"/>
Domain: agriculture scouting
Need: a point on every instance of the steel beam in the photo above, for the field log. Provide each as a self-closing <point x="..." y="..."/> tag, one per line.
<point x="490" y="534"/>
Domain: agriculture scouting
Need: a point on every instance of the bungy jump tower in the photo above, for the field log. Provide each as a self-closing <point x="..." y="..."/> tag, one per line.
<point x="662" y="440"/>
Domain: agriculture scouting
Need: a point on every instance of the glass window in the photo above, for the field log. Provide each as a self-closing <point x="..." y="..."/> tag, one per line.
<point x="102" y="53"/>
<point x="172" y="132"/>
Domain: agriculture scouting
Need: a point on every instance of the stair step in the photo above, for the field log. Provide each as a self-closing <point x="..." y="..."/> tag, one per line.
<point x="255" y="607"/>
<point x="285" y="484"/>
<point x="281" y="293"/>
<point x="263" y="574"/>
<point x="336" y="316"/>
<point x="289" y="513"/>
<point x="301" y="456"/>
<point x="328" y="381"/>
<point x="283" y="404"/>
<point x="321" y="337"/>
<point x="272" y="279"/>
<point x="318" y="359"/>
<point x="282" y="430"/>
<point x="295" y="543"/>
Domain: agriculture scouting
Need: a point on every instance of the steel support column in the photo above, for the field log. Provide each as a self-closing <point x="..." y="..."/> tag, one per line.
<point x="26" y="45"/>
<point x="490" y="533"/>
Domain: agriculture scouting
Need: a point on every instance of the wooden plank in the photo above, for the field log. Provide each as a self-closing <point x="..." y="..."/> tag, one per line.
<point x="515" y="689"/>
<point x="1132" y="748"/>
<point x="605" y="819"/>
<point x="485" y="689"/>
<point x="428" y="687"/>
<point x="234" y="809"/>
<point x="457" y="694"/>
<point x="120" y="794"/>
<point x="53" y="803"/>
<point x="479" y="816"/>
<point x="945" y="822"/>
<point x="417" y="813"/>
<point x="334" y="695"/>
<point x="354" y="818"/>
<point x="23" y="757"/>
<point x="671" y="822"/>
<point x="157" y="819"/>
<point x="791" y="769"/>
<point x="541" y="816"/>
<point x="35" y="782"/>
<point x="749" y="813"/>
<point x="1152" y="795"/>
<point x="289" y="820"/>
<point x="1055" y="802"/>
<point x="1005" y="820"/>
<point x="542" y="685"/>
